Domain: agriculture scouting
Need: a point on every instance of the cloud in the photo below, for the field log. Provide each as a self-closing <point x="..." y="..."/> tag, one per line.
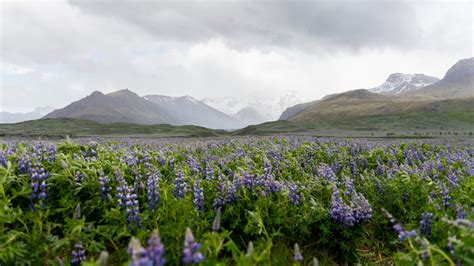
<point x="13" y="69"/>
<point x="65" y="50"/>
<point x="301" y="24"/>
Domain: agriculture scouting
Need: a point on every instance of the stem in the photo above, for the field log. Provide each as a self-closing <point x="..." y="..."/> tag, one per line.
<point x="450" y="261"/>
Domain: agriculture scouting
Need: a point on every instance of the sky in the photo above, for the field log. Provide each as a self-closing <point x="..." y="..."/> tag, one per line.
<point x="56" y="52"/>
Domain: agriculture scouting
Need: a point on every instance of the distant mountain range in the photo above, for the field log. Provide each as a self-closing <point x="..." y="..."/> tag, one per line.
<point x="400" y="93"/>
<point x="7" y="117"/>
<point x="125" y="106"/>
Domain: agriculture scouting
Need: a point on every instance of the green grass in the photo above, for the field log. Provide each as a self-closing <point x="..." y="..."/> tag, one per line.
<point x="452" y="120"/>
<point x="61" y="127"/>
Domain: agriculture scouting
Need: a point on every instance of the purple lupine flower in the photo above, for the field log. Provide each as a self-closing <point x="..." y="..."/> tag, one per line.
<point x="128" y="200"/>
<point x="227" y="193"/>
<point x="198" y="192"/>
<point x="355" y="167"/>
<point x="402" y="233"/>
<point x="133" y="211"/>
<point x="194" y="165"/>
<point x="122" y="189"/>
<point x="272" y="185"/>
<point x="298" y="257"/>
<point x="78" y="254"/>
<point x="137" y="253"/>
<point x="364" y="162"/>
<point x="153" y="189"/>
<point x="426" y="223"/>
<point x="78" y="179"/>
<point x="453" y="179"/>
<point x="327" y="172"/>
<point x="180" y="185"/>
<point x="441" y="167"/>
<point x="248" y="181"/>
<point x="191" y="253"/>
<point x="104" y="185"/>
<point x="380" y="168"/>
<point x="450" y="248"/>
<point x="209" y="171"/>
<point x="340" y="211"/>
<point x="39" y="187"/>
<point x="3" y="159"/>
<point x="294" y="193"/>
<point x="362" y="210"/>
<point x="231" y="196"/>
<point x="24" y="165"/>
<point x="259" y="180"/>
<point x="446" y="198"/>
<point x="460" y="213"/>
<point x="349" y="184"/>
<point x="267" y="168"/>
<point x="155" y="250"/>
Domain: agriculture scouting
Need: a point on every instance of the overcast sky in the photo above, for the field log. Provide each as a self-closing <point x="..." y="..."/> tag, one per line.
<point x="55" y="52"/>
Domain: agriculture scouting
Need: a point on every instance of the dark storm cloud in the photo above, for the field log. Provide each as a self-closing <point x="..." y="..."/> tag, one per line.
<point x="295" y="24"/>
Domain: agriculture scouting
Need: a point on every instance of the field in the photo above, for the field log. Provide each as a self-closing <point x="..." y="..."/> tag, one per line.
<point x="292" y="200"/>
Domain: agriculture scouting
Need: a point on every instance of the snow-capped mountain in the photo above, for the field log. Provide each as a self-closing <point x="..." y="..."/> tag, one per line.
<point x="268" y="109"/>
<point x="229" y="105"/>
<point x="399" y="83"/>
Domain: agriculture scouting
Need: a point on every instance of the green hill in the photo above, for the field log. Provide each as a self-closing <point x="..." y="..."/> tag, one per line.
<point x="61" y="127"/>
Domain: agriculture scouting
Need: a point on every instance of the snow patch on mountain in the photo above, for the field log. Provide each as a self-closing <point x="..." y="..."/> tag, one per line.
<point x="269" y="108"/>
<point x="399" y="83"/>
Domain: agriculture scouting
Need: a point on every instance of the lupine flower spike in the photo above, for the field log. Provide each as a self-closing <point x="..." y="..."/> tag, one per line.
<point x="191" y="253"/>
<point x="298" y="257"/>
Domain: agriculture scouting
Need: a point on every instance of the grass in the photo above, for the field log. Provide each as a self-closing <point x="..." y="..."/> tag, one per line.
<point x="454" y="120"/>
<point x="61" y="127"/>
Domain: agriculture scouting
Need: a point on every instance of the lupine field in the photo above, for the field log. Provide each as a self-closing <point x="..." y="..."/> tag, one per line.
<point x="242" y="201"/>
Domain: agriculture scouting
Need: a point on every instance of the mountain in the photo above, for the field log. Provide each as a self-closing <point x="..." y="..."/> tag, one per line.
<point x="353" y="104"/>
<point x="122" y="106"/>
<point x="7" y="117"/>
<point x="249" y="116"/>
<point x="267" y="108"/>
<point x="190" y="111"/>
<point x="450" y="118"/>
<point x="457" y="83"/>
<point x="229" y="105"/>
<point x="399" y="83"/>
<point x="125" y="106"/>
<point x="293" y="110"/>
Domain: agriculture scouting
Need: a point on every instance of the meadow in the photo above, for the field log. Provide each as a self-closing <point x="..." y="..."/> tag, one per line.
<point x="292" y="200"/>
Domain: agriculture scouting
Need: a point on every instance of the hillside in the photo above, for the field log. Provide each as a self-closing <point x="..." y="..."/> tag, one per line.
<point x="61" y="127"/>
<point x="353" y="104"/>
<point x="440" y="118"/>
<point x="457" y="83"/>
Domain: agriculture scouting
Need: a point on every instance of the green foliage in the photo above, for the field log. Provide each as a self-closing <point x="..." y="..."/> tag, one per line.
<point x="257" y="225"/>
